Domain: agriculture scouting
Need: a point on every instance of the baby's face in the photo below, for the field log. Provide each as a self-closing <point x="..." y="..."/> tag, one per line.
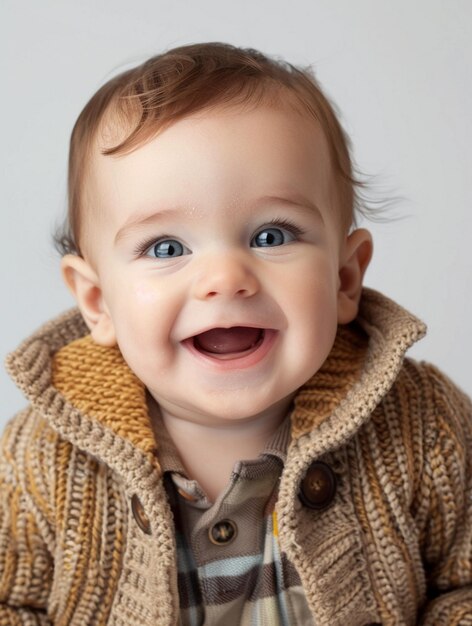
<point x="217" y="252"/>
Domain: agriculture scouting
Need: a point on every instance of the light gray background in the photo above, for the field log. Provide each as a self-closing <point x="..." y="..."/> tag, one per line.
<point x="398" y="71"/>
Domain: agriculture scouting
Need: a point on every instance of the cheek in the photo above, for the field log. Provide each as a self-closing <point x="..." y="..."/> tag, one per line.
<point x="311" y="289"/>
<point x="134" y="310"/>
<point x="145" y="293"/>
<point x="146" y="314"/>
<point x="311" y="303"/>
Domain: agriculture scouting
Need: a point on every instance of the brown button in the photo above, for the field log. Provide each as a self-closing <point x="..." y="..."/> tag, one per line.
<point x="186" y="495"/>
<point x="139" y="515"/>
<point x="318" y="487"/>
<point x="223" y="533"/>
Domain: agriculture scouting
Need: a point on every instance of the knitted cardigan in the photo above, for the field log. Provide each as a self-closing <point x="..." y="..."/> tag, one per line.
<point x="394" y="547"/>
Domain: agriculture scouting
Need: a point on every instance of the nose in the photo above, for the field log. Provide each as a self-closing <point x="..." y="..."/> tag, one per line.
<point x="228" y="276"/>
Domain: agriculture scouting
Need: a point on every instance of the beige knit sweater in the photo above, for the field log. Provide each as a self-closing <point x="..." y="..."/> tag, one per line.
<point x="394" y="547"/>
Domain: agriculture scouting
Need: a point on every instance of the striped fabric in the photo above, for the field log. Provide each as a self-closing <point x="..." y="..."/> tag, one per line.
<point x="248" y="580"/>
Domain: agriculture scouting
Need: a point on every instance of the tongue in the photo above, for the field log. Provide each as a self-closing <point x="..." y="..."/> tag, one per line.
<point x="227" y="340"/>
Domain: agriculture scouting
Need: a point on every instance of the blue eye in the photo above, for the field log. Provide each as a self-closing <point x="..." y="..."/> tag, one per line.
<point x="168" y="249"/>
<point x="271" y="237"/>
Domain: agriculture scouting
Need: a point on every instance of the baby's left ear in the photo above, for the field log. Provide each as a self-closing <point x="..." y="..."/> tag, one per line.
<point x="357" y="253"/>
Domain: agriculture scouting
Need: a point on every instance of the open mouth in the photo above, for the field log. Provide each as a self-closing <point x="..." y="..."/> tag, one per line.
<point x="229" y="343"/>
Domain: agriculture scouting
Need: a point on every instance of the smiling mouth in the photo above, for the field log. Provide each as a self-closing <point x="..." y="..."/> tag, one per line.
<point x="229" y="343"/>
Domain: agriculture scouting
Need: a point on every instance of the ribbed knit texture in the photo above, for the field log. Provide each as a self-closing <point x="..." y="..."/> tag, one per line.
<point x="397" y="433"/>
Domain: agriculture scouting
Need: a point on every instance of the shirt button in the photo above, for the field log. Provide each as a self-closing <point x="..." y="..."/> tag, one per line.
<point x="318" y="487"/>
<point x="222" y="533"/>
<point x="140" y="516"/>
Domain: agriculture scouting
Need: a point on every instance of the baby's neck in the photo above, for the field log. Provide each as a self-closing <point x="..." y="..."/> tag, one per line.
<point x="209" y="453"/>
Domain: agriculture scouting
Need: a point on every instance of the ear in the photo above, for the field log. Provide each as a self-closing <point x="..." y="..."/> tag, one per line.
<point x="84" y="285"/>
<point x="356" y="256"/>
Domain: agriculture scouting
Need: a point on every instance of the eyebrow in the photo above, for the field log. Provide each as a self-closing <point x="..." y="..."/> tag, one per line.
<point x="137" y="221"/>
<point x="294" y="198"/>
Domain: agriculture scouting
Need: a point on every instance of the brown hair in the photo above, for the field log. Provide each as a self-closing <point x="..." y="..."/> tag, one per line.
<point x="184" y="80"/>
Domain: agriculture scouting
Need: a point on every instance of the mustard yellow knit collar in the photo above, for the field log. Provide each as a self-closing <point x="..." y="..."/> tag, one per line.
<point x="61" y="363"/>
<point x="98" y="382"/>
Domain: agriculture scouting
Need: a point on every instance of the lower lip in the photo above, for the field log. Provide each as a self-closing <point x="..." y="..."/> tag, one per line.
<point x="238" y="362"/>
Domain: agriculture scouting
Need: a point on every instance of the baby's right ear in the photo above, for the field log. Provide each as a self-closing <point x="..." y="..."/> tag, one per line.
<point x="84" y="284"/>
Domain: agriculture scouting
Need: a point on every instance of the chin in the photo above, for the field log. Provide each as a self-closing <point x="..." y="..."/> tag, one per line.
<point x="237" y="411"/>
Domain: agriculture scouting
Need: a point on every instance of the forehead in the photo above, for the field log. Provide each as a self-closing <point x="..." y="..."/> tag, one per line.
<point x="216" y="155"/>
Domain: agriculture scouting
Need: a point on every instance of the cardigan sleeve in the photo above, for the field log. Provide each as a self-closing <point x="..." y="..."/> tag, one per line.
<point x="25" y="560"/>
<point x="444" y="506"/>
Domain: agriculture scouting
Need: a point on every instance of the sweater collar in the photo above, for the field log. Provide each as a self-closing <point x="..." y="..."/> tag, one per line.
<point x="88" y="392"/>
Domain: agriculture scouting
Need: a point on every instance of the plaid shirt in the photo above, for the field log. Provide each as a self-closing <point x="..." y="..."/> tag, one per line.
<point x="230" y="567"/>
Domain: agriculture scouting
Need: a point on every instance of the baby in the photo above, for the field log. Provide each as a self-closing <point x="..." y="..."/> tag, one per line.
<point x="227" y="429"/>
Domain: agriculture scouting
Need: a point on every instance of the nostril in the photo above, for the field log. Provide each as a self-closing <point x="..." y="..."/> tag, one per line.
<point x="225" y="282"/>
